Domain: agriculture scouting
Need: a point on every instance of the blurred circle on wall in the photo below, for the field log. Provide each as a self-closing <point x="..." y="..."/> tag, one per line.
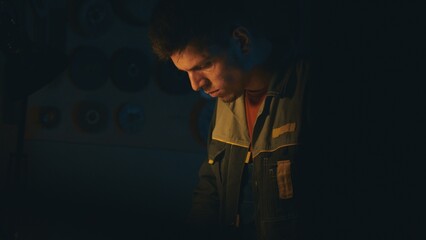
<point x="41" y="117"/>
<point x="40" y="7"/>
<point x="90" y="116"/>
<point x="131" y="118"/>
<point x="88" y="68"/>
<point x="200" y="119"/>
<point x="134" y="12"/>
<point x="172" y="81"/>
<point x="49" y="117"/>
<point x="92" y="18"/>
<point x="130" y="69"/>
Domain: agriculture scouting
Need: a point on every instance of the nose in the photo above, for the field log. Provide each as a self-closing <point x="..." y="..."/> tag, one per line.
<point x="197" y="80"/>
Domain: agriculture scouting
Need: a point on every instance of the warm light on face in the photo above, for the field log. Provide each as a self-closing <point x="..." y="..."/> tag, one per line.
<point x="217" y="72"/>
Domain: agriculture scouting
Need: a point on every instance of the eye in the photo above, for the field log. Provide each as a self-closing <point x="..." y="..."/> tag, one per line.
<point x="206" y="65"/>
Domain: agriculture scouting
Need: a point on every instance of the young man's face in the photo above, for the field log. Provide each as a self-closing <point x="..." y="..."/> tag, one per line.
<point x="218" y="72"/>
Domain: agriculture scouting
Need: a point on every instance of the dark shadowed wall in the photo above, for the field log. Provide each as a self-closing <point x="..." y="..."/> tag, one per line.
<point x="113" y="143"/>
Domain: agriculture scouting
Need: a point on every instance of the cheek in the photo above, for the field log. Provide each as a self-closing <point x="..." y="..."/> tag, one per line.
<point x="234" y="78"/>
<point x="227" y="76"/>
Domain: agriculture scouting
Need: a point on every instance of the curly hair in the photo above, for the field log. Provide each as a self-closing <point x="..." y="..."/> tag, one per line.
<point x="176" y="23"/>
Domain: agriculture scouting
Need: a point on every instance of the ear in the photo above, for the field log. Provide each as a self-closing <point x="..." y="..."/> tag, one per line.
<point x="243" y="37"/>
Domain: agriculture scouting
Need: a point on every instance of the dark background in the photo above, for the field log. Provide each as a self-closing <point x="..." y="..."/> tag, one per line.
<point x="366" y="177"/>
<point x="367" y="163"/>
<point x="64" y="178"/>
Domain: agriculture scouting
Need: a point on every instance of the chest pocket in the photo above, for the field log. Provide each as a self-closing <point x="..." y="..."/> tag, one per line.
<point x="284" y="182"/>
<point x="277" y="183"/>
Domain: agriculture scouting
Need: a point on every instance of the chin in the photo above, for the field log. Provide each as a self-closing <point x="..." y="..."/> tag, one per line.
<point x="230" y="98"/>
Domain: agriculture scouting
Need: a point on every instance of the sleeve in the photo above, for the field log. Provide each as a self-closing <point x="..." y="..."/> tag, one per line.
<point x="203" y="219"/>
<point x="205" y="202"/>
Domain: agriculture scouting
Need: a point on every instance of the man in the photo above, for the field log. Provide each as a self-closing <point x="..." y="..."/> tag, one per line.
<point x="248" y="184"/>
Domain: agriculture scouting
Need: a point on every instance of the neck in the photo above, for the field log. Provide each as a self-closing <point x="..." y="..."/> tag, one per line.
<point x="260" y="73"/>
<point x="259" y="79"/>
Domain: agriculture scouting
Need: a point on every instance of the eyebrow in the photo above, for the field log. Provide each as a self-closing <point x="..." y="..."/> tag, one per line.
<point x="198" y="66"/>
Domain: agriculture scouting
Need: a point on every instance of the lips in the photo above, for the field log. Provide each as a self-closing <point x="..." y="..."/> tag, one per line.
<point x="213" y="93"/>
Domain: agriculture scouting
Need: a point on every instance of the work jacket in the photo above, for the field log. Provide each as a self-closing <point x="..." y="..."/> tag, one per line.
<point x="273" y="149"/>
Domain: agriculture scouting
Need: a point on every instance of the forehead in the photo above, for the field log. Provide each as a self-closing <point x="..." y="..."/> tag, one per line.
<point x="192" y="56"/>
